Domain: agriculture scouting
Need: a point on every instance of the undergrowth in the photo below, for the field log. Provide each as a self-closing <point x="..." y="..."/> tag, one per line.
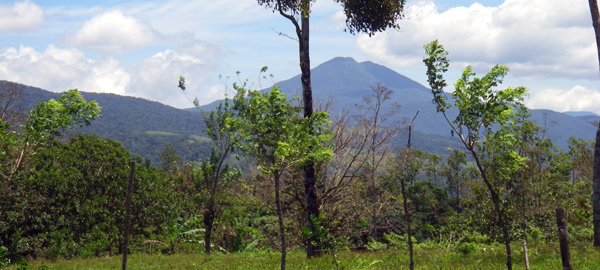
<point x="541" y="256"/>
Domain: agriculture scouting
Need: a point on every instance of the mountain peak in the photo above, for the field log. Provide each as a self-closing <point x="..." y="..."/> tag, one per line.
<point x="339" y="62"/>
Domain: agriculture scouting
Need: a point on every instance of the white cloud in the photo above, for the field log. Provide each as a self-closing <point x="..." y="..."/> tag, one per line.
<point x="156" y="78"/>
<point x="536" y="38"/>
<point x="22" y="16"/>
<point x="57" y="69"/>
<point x="578" y="98"/>
<point x="113" y="32"/>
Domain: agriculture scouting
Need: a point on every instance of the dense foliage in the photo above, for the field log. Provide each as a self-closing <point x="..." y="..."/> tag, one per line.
<point x="67" y="199"/>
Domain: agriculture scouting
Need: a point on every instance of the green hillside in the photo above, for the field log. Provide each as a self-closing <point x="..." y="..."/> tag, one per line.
<point x="145" y="127"/>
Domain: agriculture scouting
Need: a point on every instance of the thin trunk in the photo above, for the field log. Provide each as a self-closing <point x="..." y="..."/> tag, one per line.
<point x="128" y="215"/>
<point x="374" y="206"/>
<point x="411" y="266"/>
<point x="596" y="190"/>
<point x="502" y="220"/>
<point x="373" y="166"/>
<point x="523" y="224"/>
<point x="596" y="177"/>
<point x="209" y="219"/>
<point x="280" y="216"/>
<point x="313" y="248"/>
<point x="17" y="165"/>
<point x="526" y="255"/>
<point x="503" y="223"/>
<point x="563" y="238"/>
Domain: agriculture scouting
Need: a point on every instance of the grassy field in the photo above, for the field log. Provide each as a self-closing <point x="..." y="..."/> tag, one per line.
<point x="161" y="133"/>
<point x="542" y="256"/>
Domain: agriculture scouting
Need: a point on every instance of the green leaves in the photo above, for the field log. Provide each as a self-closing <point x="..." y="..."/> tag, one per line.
<point x="479" y="103"/>
<point x="50" y="118"/>
<point x="437" y="64"/>
<point x="272" y="130"/>
<point x="372" y="16"/>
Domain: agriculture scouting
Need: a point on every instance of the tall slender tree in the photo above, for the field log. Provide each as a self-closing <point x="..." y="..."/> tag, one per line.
<point x="480" y="106"/>
<point x="272" y="131"/>
<point x="596" y="181"/>
<point x="362" y="16"/>
<point x="215" y="177"/>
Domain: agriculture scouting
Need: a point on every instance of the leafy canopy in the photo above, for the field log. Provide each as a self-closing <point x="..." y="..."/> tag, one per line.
<point x="272" y="130"/>
<point x="362" y="16"/>
<point x="50" y="118"/>
<point x="479" y="102"/>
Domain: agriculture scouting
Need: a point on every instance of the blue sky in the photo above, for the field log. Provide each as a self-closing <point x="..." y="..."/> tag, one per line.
<point x="139" y="48"/>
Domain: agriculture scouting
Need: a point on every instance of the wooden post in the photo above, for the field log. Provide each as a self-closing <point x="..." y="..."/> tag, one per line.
<point x="563" y="238"/>
<point x="128" y="214"/>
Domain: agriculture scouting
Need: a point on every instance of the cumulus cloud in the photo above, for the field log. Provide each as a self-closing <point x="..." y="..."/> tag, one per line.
<point x="156" y="77"/>
<point x="57" y="69"/>
<point x="113" y="32"/>
<point x="536" y="38"/>
<point x="22" y="16"/>
<point x="578" y="98"/>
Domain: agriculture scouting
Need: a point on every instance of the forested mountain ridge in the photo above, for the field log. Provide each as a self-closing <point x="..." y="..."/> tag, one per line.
<point x="145" y="126"/>
<point x="346" y="82"/>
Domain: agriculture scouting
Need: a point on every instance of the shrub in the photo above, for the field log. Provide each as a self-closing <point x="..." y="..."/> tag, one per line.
<point x="466" y="248"/>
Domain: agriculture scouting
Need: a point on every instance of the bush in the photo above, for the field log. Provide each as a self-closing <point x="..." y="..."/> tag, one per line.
<point x="373" y="245"/>
<point x="476" y="237"/>
<point x="397" y="241"/>
<point x="467" y="248"/>
<point x="581" y="233"/>
<point x="71" y="202"/>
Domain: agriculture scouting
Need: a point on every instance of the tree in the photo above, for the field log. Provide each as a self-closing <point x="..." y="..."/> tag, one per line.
<point x="358" y="151"/>
<point x="480" y="106"/>
<point x="11" y="103"/>
<point x="69" y="200"/>
<point x="596" y="183"/>
<point x="454" y="175"/>
<point x="272" y="131"/>
<point x="379" y="137"/>
<point x="215" y="176"/>
<point x="213" y="181"/>
<point x="362" y="16"/>
<point x="407" y="212"/>
<point x="50" y="118"/>
<point x="169" y="159"/>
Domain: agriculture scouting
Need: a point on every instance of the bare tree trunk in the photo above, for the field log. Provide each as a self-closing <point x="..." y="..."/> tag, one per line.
<point x="280" y="216"/>
<point x="128" y="215"/>
<point x="374" y="206"/>
<point x="526" y="254"/>
<point x="310" y="187"/>
<point x="411" y="266"/>
<point x="596" y="190"/>
<point x="505" y="231"/>
<point x="502" y="220"/>
<point x="313" y="248"/>
<point x="563" y="238"/>
<point x="209" y="219"/>
<point x="596" y="177"/>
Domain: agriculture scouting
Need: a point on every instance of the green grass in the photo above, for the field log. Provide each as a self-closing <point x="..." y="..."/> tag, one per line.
<point x="200" y="138"/>
<point x="541" y="256"/>
<point x="161" y="133"/>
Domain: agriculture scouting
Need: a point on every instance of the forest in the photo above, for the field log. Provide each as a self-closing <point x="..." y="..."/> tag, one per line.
<point x="63" y="194"/>
<point x="284" y="183"/>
